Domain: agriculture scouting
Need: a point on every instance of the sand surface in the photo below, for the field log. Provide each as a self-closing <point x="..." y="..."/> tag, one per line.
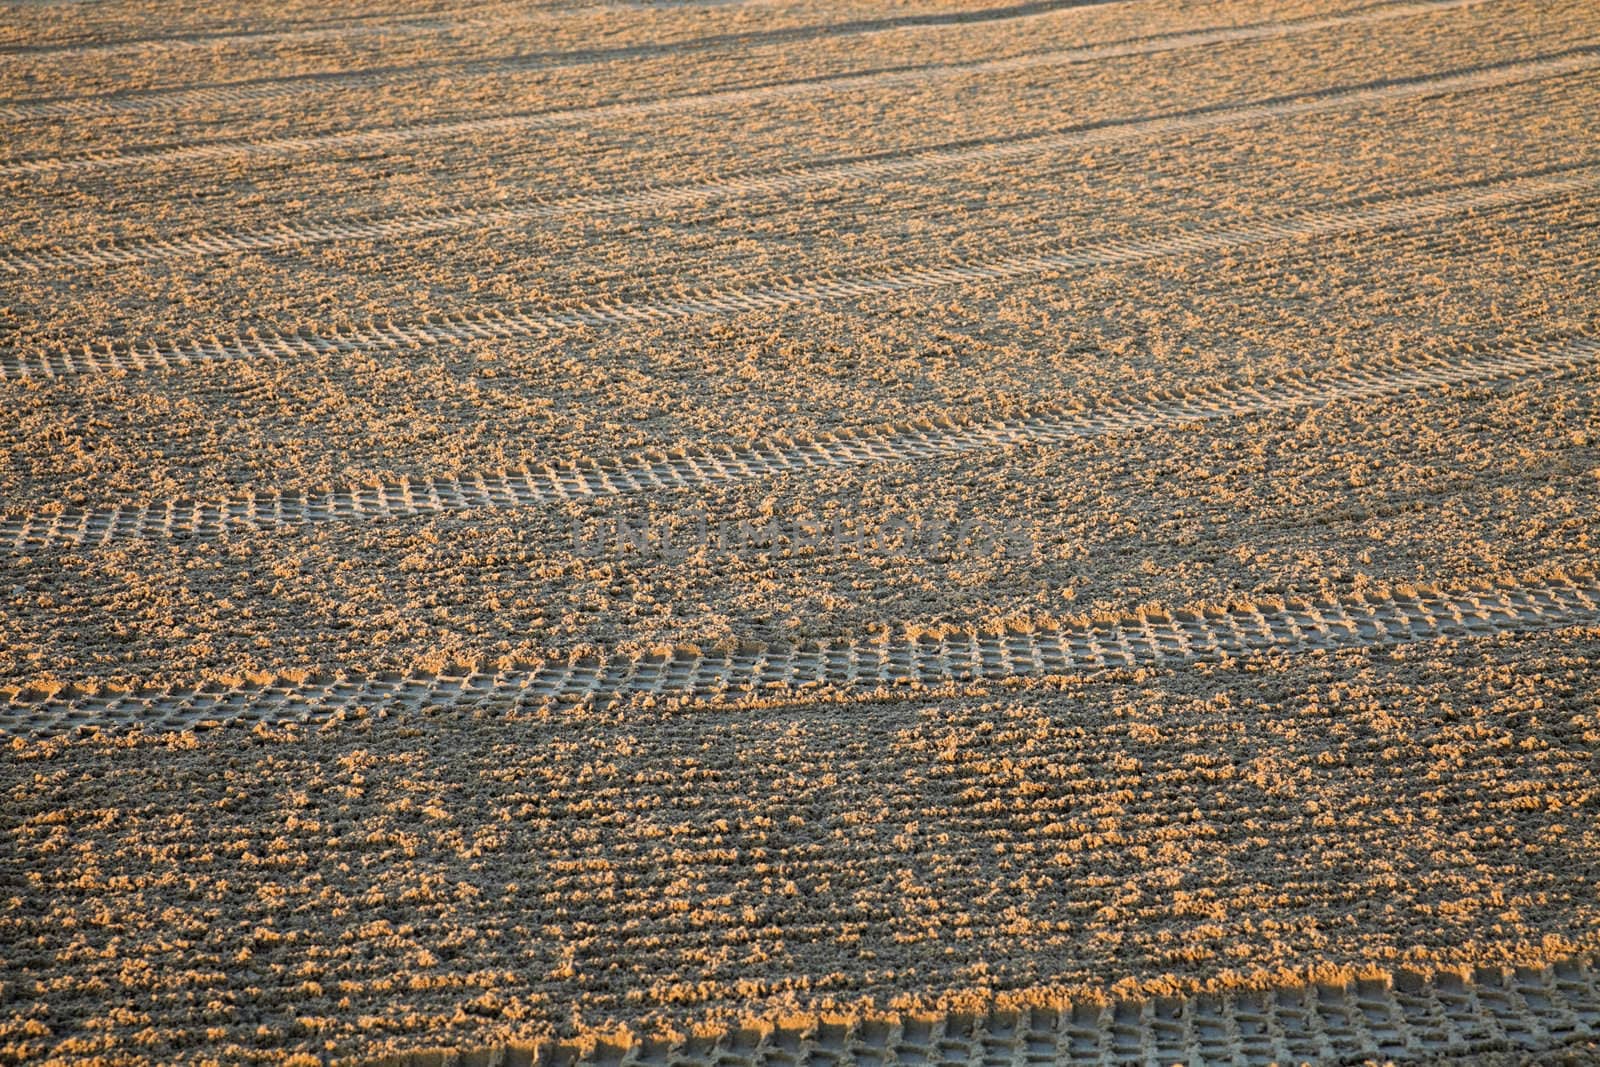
<point x="1123" y="493"/>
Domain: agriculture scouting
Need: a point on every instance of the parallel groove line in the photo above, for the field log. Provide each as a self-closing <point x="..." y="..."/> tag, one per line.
<point x="203" y="39"/>
<point x="690" y="675"/>
<point x="291" y="146"/>
<point x="905" y="442"/>
<point x="783" y="180"/>
<point x="105" y="357"/>
<point x="433" y="22"/>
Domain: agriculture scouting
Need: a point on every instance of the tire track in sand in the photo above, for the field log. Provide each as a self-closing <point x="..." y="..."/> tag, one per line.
<point x="846" y="666"/>
<point x="1403" y="1016"/>
<point x="107" y="357"/>
<point x="686" y="468"/>
<point x="222" y="38"/>
<point x="288" y="147"/>
<point x="435" y="22"/>
<point x="782" y="180"/>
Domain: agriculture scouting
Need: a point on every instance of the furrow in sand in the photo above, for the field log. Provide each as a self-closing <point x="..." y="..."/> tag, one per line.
<point x="845" y="666"/>
<point x="1401" y="1016"/>
<point x="233" y="39"/>
<point x="686" y="468"/>
<point x="106" y="357"/>
<point x="436" y="22"/>
<point x="779" y="181"/>
<point x="281" y="147"/>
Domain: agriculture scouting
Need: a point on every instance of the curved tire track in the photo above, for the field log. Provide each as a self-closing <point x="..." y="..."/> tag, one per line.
<point x="283" y="147"/>
<point x="104" y="357"/>
<point x="690" y="675"/>
<point x="689" y="469"/>
<point x="785" y="180"/>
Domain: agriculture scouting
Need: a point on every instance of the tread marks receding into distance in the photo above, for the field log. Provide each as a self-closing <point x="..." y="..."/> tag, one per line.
<point x="106" y="357"/>
<point x="685" y="469"/>
<point x="420" y="23"/>
<point x="374" y="138"/>
<point x="445" y="20"/>
<point x="845" y="666"/>
<point x="783" y="180"/>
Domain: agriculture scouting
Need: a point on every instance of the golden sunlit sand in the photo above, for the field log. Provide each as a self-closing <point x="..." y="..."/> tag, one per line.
<point x="770" y="532"/>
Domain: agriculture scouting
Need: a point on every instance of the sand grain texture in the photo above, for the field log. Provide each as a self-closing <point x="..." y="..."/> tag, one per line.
<point x="1124" y="493"/>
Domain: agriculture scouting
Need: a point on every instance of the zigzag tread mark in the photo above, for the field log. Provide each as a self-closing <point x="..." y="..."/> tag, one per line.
<point x="105" y="357"/>
<point x="1404" y="1016"/>
<point x="683" y="469"/>
<point x="928" y="160"/>
<point x="1204" y="632"/>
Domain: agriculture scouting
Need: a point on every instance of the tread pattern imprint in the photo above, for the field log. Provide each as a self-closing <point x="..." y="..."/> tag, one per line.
<point x="1410" y="185"/>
